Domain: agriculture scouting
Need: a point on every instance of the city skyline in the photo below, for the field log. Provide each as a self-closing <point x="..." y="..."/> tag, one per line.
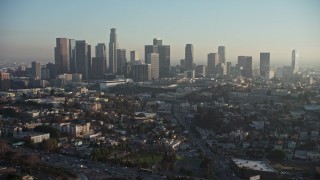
<point x="29" y="28"/>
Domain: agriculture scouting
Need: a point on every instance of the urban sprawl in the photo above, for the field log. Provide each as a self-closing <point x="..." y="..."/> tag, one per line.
<point x="85" y="117"/>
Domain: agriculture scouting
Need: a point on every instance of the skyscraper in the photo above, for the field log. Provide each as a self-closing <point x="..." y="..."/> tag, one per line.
<point x="36" y="69"/>
<point x="121" y="61"/>
<point x="157" y="41"/>
<point x="62" y="55"/>
<point x="294" y="63"/>
<point x="164" y="60"/>
<point x="182" y="64"/>
<point x="113" y="46"/>
<point x="245" y="65"/>
<point x="211" y="63"/>
<point x="201" y="71"/>
<point x="134" y="56"/>
<point x="164" y="56"/>
<point x="51" y="70"/>
<point x="154" y="59"/>
<point x="4" y="81"/>
<point x="148" y="49"/>
<point x="83" y="59"/>
<point x="101" y="50"/>
<point x="222" y="54"/>
<point x="72" y="55"/>
<point x="99" y="62"/>
<point x="141" y="72"/>
<point x="189" y="57"/>
<point x="264" y="63"/>
<point x="89" y="63"/>
<point x="228" y="68"/>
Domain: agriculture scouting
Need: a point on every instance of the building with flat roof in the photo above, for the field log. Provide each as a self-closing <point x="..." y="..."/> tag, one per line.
<point x="61" y="55"/>
<point x="34" y="136"/>
<point x="264" y="63"/>
<point x="4" y="81"/>
<point x="154" y="59"/>
<point x="248" y="168"/>
<point x="213" y="60"/>
<point x="189" y="57"/>
<point x="164" y="56"/>
<point x="245" y="64"/>
<point x="141" y="72"/>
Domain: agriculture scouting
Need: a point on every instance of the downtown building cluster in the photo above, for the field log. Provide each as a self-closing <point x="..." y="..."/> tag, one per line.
<point x="237" y="115"/>
<point x="74" y="57"/>
<point x="74" y="63"/>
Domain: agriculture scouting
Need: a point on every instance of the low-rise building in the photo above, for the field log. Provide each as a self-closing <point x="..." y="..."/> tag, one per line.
<point x="247" y="168"/>
<point x="34" y="137"/>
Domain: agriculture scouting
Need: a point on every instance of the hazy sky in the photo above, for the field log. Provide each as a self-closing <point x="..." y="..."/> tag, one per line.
<point x="28" y="28"/>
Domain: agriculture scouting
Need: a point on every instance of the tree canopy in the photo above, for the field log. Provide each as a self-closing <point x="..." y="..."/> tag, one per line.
<point x="276" y="155"/>
<point x="54" y="133"/>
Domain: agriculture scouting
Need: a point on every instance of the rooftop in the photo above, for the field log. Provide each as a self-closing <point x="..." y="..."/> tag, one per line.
<point x="252" y="164"/>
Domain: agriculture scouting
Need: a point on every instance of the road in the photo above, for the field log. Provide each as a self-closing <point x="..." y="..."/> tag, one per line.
<point x="87" y="169"/>
<point x="220" y="164"/>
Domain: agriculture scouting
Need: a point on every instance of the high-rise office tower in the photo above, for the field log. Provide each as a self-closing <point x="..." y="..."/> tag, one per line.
<point x="225" y="69"/>
<point x="222" y="54"/>
<point x="164" y="56"/>
<point x="36" y="69"/>
<point x="164" y="60"/>
<point x="51" y="70"/>
<point x="134" y="56"/>
<point x="99" y="62"/>
<point x="201" y="71"/>
<point x="127" y="70"/>
<point x="183" y="63"/>
<point x="121" y="61"/>
<point x="189" y="57"/>
<point x="154" y="59"/>
<point x="101" y="50"/>
<point x="44" y="73"/>
<point x="149" y="49"/>
<point x="286" y="73"/>
<point x="157" y="41"/>
<point x="89" y="63"/>
<point x="245" y="65"/>
<point x="83" y="59"/>
<point x="264" y="64"/>
<point x="228" y="68"/>
<point x="141" y="72"/>
<point x="4" y="81"/>
<point x="72" y="55"/>
<point x="113" y="46"/>
<point x="294" y="62"/>
<point x="62" y="55"/>
<point x="212" y="62"/>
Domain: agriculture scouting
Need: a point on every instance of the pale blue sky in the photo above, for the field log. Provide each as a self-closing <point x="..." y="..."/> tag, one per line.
<point x="28" y="28"/>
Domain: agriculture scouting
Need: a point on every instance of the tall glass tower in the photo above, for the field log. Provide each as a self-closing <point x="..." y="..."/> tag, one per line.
<point x="222" y="54"/>
<point x="113" y="46"/>
<point x="189" y="57"/>
<point x="294" y="63"/>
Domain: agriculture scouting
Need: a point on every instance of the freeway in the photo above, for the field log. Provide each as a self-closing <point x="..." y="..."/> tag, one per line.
<point x="87" y="169"/>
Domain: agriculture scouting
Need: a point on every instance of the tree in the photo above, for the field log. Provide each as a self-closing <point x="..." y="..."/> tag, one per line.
<point x="185" y="171"/>
<point x="4" y="147"/>
<point x="54" y="133"/>
<point x="206" y="162"/>
<point x="11" y="156"/>
<point x="52" y="92"/>
<point x="14" y="176"/>
<point x="276" y="155"/>
<point x="28" y="142"/>
<point x="49" y="144"/>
